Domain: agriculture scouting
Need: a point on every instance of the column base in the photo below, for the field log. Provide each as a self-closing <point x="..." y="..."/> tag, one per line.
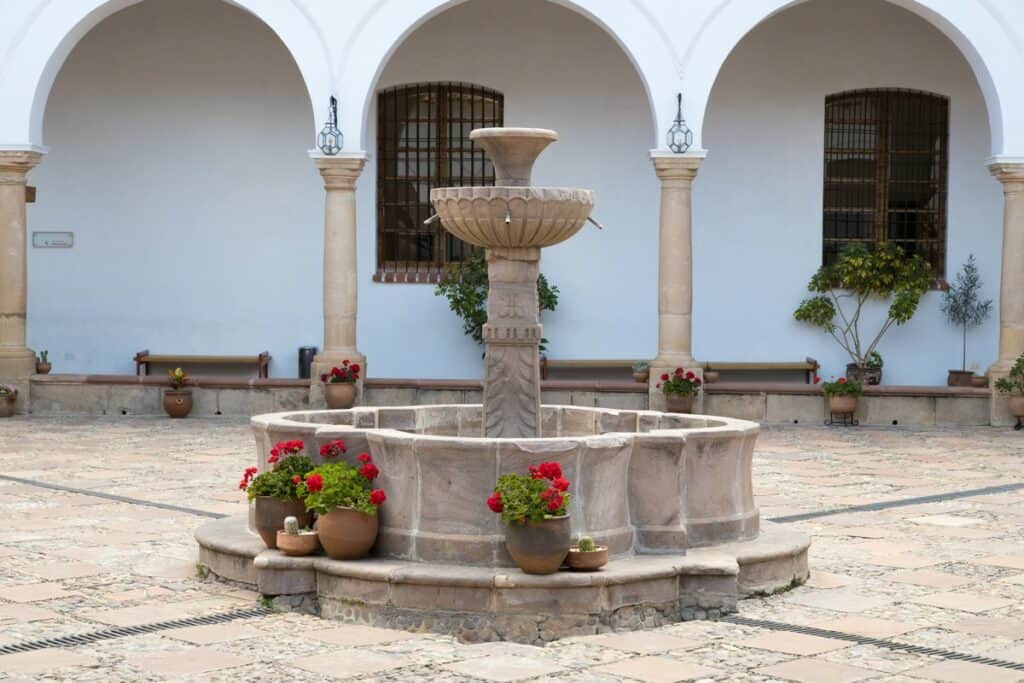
<point x="322" y="363"/>
<point x="16" y="367"/>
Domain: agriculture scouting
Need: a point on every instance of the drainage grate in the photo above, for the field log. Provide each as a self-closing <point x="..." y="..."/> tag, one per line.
<point x="125" y="631"/>
<point x="902" y="502"/>
<point x="862" y="640"/>
<point x="113" y="496"/>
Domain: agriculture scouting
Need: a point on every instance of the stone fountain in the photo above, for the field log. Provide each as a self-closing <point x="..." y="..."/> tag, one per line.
<point x="670" y="495"/>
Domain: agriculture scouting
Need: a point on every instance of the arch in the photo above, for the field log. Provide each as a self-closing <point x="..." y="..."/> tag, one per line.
<point x="380" y="32"/>
<point x="969" y="24"/>
<point x="47" y="37"/>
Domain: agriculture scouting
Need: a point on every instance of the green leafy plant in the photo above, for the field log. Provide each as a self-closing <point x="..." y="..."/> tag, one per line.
<point x="859" y="275"/>
<point x="177" y="378"/>
<point x="43" y="357"/>
<point x="962" y="304"/>
<point x="842" y="387"/>
<point x="641" y="366"/>
<point x="520" y="498"/>
<point x="874" y="361"/>
<point x="1014" y="383"/>
<point x="341" y="485"/>
<point x="8" y="391"/>
<point x="687" y="384"/>
<point x="283" y="482"/>
<point x="465" y="286"/>
<point x="586" y="544"/>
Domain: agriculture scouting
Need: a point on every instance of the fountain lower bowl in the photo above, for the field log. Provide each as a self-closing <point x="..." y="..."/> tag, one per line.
<point x="512" y="217"/>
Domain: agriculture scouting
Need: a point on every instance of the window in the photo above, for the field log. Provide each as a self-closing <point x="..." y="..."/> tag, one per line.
<point x="885" y="172"/>
<point x="422" y="143"/>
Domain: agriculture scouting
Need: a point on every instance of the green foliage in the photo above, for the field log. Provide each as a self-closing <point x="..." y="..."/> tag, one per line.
<point x="465" y="286"/>
<point x="43" y="357"/>
<point x="177" y="378"/>
<point x="279" y="482"/>
<point x="343" y="487"/>
<point x="962" y="304"/>
<point x="874" y="361"/>
<point x="858" y="275"/>
<point x="686" y="384"/>
<point x="521" y="497"/>
<point x="586" y="544"/>
<point x="641" y="366"/>
<point x="842" y="387"/>
<point x="8" y="391"/>
<point x="1014" y="384"/>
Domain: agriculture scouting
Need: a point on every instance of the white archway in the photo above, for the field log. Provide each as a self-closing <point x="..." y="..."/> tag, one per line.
<point x="970" y="24"/>
<point x="47" y="37"/>
<point x="386" y="25"/>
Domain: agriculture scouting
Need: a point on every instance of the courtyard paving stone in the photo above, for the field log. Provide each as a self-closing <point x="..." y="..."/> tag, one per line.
<point x="946" y="574"/>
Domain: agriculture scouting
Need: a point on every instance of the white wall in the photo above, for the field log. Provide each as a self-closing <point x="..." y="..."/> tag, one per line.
<point x="758" y="197"/>
<point x="178" y="131"/>
<point x="571" y="77"/>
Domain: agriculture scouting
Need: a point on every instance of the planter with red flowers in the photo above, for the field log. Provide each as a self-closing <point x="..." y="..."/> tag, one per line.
<point x="340" y="385"/>
<point x="842" y="396"/>
<point x="346" y="503"/>
<point x="534" y="509"/>
<point x="680" y="389"/>
<point x="277" y="493"/>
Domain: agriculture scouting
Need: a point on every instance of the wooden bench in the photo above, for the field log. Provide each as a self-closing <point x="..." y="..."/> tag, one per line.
<point x="144" y="358"/>
<point x="607" y="365"/>
<point x="808" y="367"/>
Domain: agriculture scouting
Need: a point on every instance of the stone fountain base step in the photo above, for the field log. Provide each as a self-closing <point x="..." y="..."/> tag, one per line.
<point x="501" y="603"/>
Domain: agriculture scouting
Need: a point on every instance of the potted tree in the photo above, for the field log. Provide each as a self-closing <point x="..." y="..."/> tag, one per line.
<point x="641" y="371"/>
<point x="177" y="400"/>
<point x="965" y="308"/>
<point x="842" y="395"/>
<point x="8" y="397"/>
<point x="43" y="365"/>
<point x="277" y="492"/>
<point x="340" y="385"/>
<point x="534" y="509"/>
<point x="346" y="503"/>
<point x="1012" y="387"/>
<point x="842" y="289"/>
<point x="680" y="389"/>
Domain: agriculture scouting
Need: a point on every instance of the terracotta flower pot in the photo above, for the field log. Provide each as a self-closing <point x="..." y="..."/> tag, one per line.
<point x="298" y="545"/>
<point x="7" y="406"/>
<point x="588" y="561"/>
<point x="269" y="517"/>
<point x="43" y="368"/>
<point x="178" y="402"/>
<point x="641" y="377"/>
<point x="340" y="395"/>
<point x="346" y="533"/>
<point x="539" y="547"/>
<point x="842" y="405"/>
<point x="710" y="376"/>
<point x="959" y="378"/>
<point x="679" y="403"/>
<point x="1017" y="406"/>
<point x="980" y="381"/>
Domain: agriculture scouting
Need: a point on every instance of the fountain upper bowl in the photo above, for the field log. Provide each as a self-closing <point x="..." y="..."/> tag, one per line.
<point x="512" y="217"/>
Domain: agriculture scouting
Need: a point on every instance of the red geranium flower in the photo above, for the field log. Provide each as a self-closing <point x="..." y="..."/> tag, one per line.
<point x="354" y="368"/>
<point x="369" y="471"/>
<point x="690" y="375"/>
<point x="377" y="496"/>
<point x="323" y="377"/>
<point x="332" y="449"/>
<point x="534" y="472"/>
<point x="678" y="373"/>
<point x="561" y="484"/>
<point x="817" y="379"/>
<point x="345" y="362"/>
<point x="550" y="470"/>
<point x="494" y="502"/>
<point x="555" y="502"/>
<point x="365" y="457"/>
<point x="296" y="479"/>
<point x="664" y="377"/>
<point x="314" y="482"/>
<point x="842" y="380"/>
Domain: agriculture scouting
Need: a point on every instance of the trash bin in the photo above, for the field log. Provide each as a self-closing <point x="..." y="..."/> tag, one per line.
<point x="306" y="354"/>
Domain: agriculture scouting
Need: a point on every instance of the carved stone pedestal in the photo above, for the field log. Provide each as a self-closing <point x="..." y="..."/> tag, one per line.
<point x="512" y="336"/>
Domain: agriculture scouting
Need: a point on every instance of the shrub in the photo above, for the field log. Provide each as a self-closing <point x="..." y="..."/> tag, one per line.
<point x="1014" y="383"/>
<point x="520" y="498"/>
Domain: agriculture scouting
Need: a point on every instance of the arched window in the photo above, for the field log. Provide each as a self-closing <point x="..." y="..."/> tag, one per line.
<point x="886" y="158"/>
<point x="422" y="143"/>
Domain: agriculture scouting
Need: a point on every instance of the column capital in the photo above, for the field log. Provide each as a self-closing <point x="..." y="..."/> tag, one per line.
<point x="339" y="172"/>
<point x="16" y="163"/>
<point x="669" y="166"/>
<point x="1009" y="171"/>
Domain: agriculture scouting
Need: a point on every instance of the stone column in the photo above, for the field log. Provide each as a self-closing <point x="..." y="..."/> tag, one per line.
<point x="1011" y="291"/>
<point x="675" y="267"/>
<point x="340" y="273"/>
<point x="512" y="337"/>
<point x="17" y="361"/>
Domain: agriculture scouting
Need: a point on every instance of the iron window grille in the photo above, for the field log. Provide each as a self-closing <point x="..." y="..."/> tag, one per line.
<point x="423" y="142"/>
<point x="886" y="160"/>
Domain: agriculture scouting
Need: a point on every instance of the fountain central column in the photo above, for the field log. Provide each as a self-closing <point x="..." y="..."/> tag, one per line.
<point x="512" y="337"/>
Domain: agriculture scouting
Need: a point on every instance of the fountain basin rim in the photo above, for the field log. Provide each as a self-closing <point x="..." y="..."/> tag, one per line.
<point x="502" y="132"/>
<point x="542" y="192"/>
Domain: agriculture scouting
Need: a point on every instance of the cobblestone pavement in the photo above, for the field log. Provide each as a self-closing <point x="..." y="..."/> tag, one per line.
<point x="947" y="574"/>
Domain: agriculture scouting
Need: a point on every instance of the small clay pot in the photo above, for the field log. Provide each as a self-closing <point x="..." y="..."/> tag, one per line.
<point x="346" y="533"/>
<point x="43" y="368"/>
<point x="641" y="377"/>
<point x="340" y="395"/>
<point x="710" y="376"/>
<point x="269" y="514"/>
<point x="679" y="403"/>
<point x="842" y="405"/>
<point x="539" y="547"/>
<point x="178" y="402"/>
<point x="588" y="561"/>
<point x="298" y="545"/>
<point x="7" y="406"/>
<point x="1017" y="406"/>
<point x="980" y="381"/>
<point x="960" y="378"/>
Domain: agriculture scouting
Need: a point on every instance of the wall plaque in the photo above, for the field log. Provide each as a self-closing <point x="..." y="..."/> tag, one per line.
<point x="53" y="240"/>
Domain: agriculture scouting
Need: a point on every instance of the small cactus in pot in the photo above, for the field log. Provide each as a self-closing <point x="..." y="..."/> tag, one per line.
<point x="586" y="555"/>
<point x="641" y="371"/>
<point x="295" y="541"/>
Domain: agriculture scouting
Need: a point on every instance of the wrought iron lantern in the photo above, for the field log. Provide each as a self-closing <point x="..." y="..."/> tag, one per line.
<point x="680" y="137"/>
<point x="330" y="139"/>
